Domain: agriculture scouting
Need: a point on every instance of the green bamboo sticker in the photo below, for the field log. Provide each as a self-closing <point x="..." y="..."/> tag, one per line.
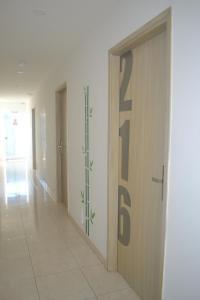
<point x="85" y="195"/>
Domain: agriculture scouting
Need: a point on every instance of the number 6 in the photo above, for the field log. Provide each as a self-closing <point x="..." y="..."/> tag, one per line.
<point x="124" y="237"/>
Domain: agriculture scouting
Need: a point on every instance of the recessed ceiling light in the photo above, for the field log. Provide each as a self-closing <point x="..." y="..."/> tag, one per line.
<point x="39" y="12"/>
<point x="21" y="64"/>
<point x="20" y="72"/>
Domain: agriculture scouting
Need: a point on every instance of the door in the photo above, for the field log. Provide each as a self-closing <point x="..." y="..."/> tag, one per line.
<point x="61" y="133"/>
<point x="142" y="119"/>
<point x="33" y="140"/>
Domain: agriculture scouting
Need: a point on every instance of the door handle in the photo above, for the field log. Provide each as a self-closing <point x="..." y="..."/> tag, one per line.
<point x="60" y="148"/>
<point x="60" y="145"/>
<point x="157" y="180"/>
<point x="160" y="180"/>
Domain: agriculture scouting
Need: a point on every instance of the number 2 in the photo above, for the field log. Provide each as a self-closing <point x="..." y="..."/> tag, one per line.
<point x="125" y="105"/>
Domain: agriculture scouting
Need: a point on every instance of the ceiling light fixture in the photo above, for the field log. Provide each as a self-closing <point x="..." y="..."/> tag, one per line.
<point x="20" y="72"/>
<point x="21" y="64"/>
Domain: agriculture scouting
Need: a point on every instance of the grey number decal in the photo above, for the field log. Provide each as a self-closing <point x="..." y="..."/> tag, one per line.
<point x="125" y="105"/>
<point x="124" y="133"/>
<point x="124" y="237"/>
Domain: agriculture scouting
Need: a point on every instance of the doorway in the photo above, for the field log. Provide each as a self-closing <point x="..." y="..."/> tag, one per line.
<point x="14" y="152"/>
<point x="138" y="156"/>
<point x="33" y="140"/>
<point x="61" y="143"/>
<point x="15" y="129"/>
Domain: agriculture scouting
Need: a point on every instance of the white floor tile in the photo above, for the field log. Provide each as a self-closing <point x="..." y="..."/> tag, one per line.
<point x="102" y="281"/>
<point x="39" y="243"/>
<point x="13" y="248"/>
<point x="126" y="294"/>
<point x="85" y="256"/>
<point x="24" y="289"/>
<point x="64" y="286"/>
<point x="53" y="262"/>
<point x="12" y="269"/>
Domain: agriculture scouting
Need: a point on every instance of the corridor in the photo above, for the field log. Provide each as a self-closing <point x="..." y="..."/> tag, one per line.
<point x="42" y="255"/>
<point x="99" y="150"/>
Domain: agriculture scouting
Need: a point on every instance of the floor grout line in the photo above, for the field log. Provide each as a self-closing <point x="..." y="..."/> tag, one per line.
<point x="79" y="267"/>
<point x="114" y="291"/>
<point x="62" y="223"/>
<point x="96" y="296"/>
<point x="30" y="258"/>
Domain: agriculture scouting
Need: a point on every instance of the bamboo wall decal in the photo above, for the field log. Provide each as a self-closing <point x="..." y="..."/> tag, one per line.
<point x="85" y="196"/>
<point x="87" y="172"/>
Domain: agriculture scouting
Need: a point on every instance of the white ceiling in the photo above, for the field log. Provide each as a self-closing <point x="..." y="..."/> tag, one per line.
<point x="41" y="41"/>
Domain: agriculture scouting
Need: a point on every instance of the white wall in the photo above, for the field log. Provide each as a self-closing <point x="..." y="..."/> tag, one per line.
<point x="182" y="267"/>
<point x="89" y="65"/>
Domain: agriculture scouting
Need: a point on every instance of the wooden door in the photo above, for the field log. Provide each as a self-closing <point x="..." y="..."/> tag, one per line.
<point x="142" y="119"/>
<point x="61" y="124"/>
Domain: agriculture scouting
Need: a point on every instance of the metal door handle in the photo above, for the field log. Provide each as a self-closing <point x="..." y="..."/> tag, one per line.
<point x="60" y="145"/>
<point x="160" y="180"/>
<point x="157" y="180"/>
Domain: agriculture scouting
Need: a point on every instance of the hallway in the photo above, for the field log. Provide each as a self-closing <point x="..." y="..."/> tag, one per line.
<point x="99" y="150"/>
<point x="42" y="255"/>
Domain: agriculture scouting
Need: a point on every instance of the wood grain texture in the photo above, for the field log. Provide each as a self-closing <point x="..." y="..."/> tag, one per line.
<point x="112" y="165"/>
<point x="61" y="137"/>
<point x="141" y="263"/>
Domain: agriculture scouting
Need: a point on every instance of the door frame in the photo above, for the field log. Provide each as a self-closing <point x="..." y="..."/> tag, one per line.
<point x="57" y="92"/>
<point x="149" y="30"/>
<point x="33" y="122"/>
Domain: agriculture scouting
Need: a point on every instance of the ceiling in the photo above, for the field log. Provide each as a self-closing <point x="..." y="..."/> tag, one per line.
<point x="36" y="34"/>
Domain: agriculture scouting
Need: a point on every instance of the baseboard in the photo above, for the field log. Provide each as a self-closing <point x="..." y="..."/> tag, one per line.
<point x="51" y="193"/>
<point x="89" y="242"/>
<point x="45" y="186"/>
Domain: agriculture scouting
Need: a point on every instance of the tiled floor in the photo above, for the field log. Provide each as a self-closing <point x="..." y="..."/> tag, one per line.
<point x="42" y="256"/>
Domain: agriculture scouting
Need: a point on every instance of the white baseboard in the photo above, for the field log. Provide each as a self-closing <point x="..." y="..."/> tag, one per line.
<point x="51" y="193"/>
<point x="45" y="186"/>
<point x="89" y="242"/>
<point x="79" y="229"/>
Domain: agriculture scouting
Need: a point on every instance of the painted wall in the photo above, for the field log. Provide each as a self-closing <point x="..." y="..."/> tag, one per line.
<point x="88" y="64"/>
<point x="182" y="267"/>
